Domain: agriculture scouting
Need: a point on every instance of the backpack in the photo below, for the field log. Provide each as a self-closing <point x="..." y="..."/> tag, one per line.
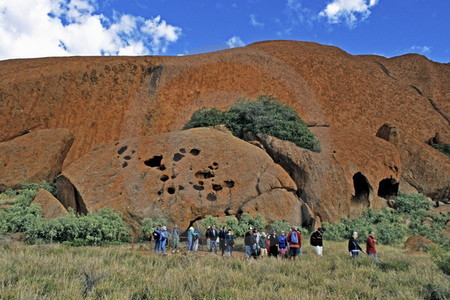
<point x="294" y="237"/>
<point x="156" y="235"/>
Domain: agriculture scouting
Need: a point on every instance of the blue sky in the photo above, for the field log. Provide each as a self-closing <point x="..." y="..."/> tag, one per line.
<point x="174" y="27"/>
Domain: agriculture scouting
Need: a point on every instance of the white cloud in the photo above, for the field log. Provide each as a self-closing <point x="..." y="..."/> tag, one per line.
<point x="235" y="41"/>
<point x="349" y="11"/>
<point x="254" y="22"/>
<point x="72" y="27"/>
<point x="300" y="14"/>
<point x="420" y="49"/>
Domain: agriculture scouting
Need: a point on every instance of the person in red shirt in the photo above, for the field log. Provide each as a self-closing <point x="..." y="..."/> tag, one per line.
<point x="294" y="239"/>
<point x="371" y="250"/>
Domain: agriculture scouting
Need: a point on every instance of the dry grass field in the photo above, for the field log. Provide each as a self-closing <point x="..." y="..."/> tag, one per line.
<point x="118" y="272"/>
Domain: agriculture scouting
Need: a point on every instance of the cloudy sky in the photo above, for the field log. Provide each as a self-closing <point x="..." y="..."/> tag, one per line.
<point x="39" y="28"/>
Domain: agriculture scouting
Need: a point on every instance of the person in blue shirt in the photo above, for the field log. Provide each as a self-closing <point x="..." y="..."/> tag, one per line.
<point x="282" y="244"/>
<point x="164" y="237"/>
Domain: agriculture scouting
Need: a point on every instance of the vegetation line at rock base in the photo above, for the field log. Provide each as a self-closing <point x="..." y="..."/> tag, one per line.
<point x="265" y="115"/>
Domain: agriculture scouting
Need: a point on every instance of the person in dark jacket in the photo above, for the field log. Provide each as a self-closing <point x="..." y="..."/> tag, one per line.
<point x="353" y="246"/>
<point x="273" y="243"/>
<point x="316" y="241"/>
<point x="249" y="242"/>
<point x="229" y="243"/>
<point x="208" y="239"/>
<point x="157" y="239"/>
<point x="213" y="235"/>
<point x="222" y="236"/>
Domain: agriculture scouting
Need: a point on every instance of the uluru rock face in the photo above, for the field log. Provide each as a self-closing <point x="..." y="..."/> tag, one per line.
<point x="107" y="99"/>
<point x="33" y="157"/>
<point x="183" y="176"/>
<point x="354" y="172"/>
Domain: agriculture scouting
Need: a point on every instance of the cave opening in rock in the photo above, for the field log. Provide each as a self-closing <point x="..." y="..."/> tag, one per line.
<point x="195" y="152"/>
<point x="211" y="197"/>
<point x="177" y="157"/>
<point x="164" y="178"/>
<point x="217" y="187"/>
<point x="204" y="175"/>
<point x="154" y="162"/>
<point x="171" y="190"/>
<point x="388" y="188"/>
<point x="362" y="189"/>
<point x="229" y="183"/>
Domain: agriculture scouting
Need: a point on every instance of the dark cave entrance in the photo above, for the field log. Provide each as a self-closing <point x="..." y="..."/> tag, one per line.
<point x="362" y="191"/>
<point x="388" y="188"/>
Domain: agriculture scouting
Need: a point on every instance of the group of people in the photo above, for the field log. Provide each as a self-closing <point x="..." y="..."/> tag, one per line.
<point x="257" y="244"/>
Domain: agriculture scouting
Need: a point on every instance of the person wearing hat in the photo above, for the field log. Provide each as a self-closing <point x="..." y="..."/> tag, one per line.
<point x="295" y="242"/>
<point x="316" y="241"/>
<point x="164" y="237"/>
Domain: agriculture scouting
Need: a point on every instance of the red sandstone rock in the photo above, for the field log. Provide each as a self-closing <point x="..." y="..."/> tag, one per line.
<point x="50" y="206"/>
<point x="352" y="173"/>
<point x="417" y="244"/>
<point x="182" y="176"/>
<point x="33" y="157"/>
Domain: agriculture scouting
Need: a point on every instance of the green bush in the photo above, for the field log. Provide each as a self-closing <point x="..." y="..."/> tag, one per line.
<point x="441" y="258"/>
<point x="105" y="226"/>
<point x="148" y="225"/>
<point x="265" y="115"/>
<point x="410" y="203"/>
<point x="280" y="226"/>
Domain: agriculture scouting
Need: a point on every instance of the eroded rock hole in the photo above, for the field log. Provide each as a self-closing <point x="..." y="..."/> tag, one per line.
<point x="173" y="176"/>
<point x="164" y="178"/>
<point x="182" y="150"/>
<point x="177" y="156"/>
<point x="124" y="165"/>
<point x="195" y="152"/>
<point x="159" y="193"/>
<point x="155" y="162"/>
<point x="127" y="157"/>
<point x="204" y="175"/>
<point x="133" y="152"/>
<point x="217" y="187"/>
<point x="122" y="150"/>
<point x="211" y="197"/>
<point x="388" y="188"/>
<point x="171" y="190"/>
<point x="200" y="183"/>
<point x="198" y="187"/>
<point x="180" y="187"/>
<point x="162" y="167"/>
<point x="229" y="184"/>
<point x="362" y="189"/>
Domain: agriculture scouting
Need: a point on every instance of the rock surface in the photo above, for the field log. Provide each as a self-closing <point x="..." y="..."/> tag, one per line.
<point x="352" y="173"/>
<point x="50" y="206"/>
<point x="417" y="243"/>
<point x="346" y="98"/>
<point x="182" y="176"/>
<point x="424" y="168"/>
<point x="34" y="157"/>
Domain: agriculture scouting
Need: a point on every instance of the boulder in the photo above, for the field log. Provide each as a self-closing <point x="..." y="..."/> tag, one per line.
<point x="424" y="168"/>
<point x="417" y="243"/>
<point x="182" y="176"/>
<point x="34" y="157"/>
<point x="50" y="206"/>
<point x="352" y="173"/>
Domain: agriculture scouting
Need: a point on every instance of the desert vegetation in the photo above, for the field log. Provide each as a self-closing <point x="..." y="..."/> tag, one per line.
<point x="265" y="115"/>
<point x="117" y="272"/>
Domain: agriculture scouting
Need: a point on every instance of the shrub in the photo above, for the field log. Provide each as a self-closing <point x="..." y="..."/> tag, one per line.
<point x="265" y="115"/>
<point x="410" y="203"/>
<point x="441" y="258"/>
<point x="148" y="225"/>
<point x="280" y="226"/>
